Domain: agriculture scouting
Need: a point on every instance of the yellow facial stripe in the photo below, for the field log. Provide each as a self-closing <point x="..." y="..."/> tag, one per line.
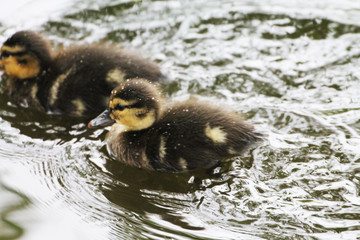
<point x="2" y="65"/>
<point x="13" y="49"/>
<point x="129" y="118"/>
<point x="122" y="116"/>
<point x="21" y="71"/>
<point x="116" y="101"/>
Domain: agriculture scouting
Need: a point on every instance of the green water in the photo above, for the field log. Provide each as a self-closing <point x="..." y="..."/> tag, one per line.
<point x="292" y="68"/>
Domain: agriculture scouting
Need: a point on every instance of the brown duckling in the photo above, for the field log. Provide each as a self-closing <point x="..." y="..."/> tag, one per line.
<point x="76" y="81"/>
<point x="180" y="137"/>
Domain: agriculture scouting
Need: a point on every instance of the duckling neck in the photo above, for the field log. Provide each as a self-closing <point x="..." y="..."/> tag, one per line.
<point x="115" y="131"/>
<point x="30" y="89"/>
<point x="24" y="91"/>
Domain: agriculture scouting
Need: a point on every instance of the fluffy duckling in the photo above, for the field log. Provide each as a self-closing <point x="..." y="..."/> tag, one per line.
<point x="77" y="81"/>
<point x="181" y="137"/>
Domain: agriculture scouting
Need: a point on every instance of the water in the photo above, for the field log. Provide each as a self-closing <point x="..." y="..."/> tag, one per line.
<point x="290" y="66"/>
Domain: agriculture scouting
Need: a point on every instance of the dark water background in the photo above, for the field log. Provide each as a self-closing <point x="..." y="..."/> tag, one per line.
<point x="292" y="67"/>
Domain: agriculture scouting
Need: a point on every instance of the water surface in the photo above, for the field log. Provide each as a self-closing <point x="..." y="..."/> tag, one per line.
<point x="290" y="67"/>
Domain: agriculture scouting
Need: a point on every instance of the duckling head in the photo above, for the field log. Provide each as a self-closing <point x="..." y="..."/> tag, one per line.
<point x="135" y="104"/>
<point x="24" y="55"/>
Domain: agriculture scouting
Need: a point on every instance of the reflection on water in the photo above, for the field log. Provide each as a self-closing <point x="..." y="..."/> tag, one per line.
<point x="292" y="69"/>
<point x="11" y="201"/>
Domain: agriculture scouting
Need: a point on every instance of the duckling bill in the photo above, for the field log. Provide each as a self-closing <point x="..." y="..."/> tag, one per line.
<point x="181" y="137"/>
<point x="76" y="81"/>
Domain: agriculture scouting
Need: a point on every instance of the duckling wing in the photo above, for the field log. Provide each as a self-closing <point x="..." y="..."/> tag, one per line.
<point x="199" y="135"/>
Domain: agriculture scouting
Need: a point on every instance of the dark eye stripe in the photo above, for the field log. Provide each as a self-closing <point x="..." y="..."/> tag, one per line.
<point x="8" y="54"/>
<point x="138" y="105"/>
<point x="22" y="61"/>
<point x="121" y="107"/>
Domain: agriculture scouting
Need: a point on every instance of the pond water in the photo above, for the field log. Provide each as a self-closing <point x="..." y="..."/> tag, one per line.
<point x="291" y="67"/>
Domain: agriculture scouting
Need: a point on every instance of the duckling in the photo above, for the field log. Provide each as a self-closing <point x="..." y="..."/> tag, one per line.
<point x="76" y="81"/>
<point x="180" y="137"/>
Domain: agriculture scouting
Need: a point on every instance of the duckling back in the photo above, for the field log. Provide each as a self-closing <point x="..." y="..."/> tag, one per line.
<point x="86" y="76"/>
<point x="197" y="135"/>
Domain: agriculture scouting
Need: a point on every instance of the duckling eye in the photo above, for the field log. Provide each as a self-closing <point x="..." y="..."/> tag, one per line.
<point x="119" y="107"/>
<point x="4" y="54"/>
<point x="22" y="61"/>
